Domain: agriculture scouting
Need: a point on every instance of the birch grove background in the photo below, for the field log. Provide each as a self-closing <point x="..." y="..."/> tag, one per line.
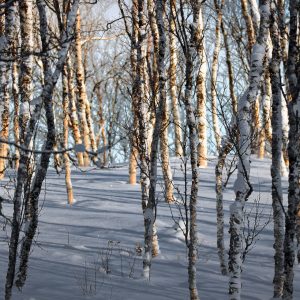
<point x="149" y="148"/>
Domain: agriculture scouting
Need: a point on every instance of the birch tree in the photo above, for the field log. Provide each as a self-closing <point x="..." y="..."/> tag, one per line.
<point x="242" y="186"/>
<point x="189" y="47"/>
<point x="277" y="199"/>
<point x="149" y="212"/>
<point x="214" y="72"/>
<point x="172" y="81"/>
<point x="201" y="94"/>
<point x="44" y="98"/>
<point x="7" y="32"/>
<point x="83" y="106"/>
<point x="293" y="152"/>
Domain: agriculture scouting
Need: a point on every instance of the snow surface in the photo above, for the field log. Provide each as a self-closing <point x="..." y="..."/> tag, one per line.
<point x="103" y="231"/>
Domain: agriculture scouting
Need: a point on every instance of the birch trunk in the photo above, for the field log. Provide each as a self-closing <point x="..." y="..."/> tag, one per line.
<point x="73" y="111"/>
<point x="15" y="93"/>
<point x="254" y="14"/>
<point x="230" y="69"/>
<point x="12" y="40"/>
<point x="192" y="242"/>
<point x="266" y="132"/>
<point x="165" y="157"/>
<point x="26" y="19"/>
<point x="66" y="122"/>
<point x="150" y="211"/>
<point x="172" y="82"/>
<point x="82" y="97"/>
<point x="201" y="94"/>
<point x="277" y="199"/>
<point x="242" y="186"/>
<point x="257" y="131"/>
<point x="226" y="146"/>
<point x="7" y="31"/>
<point x="26" y="28"/>
<point x="214" y="74"/>
<point x="249" y="25"/>
<point x="133" y="60"/>
<point x="293" y="152"/>
<point x="46" y="98"/>
<point x="25" y="82"/>
<point x="164" y="147"/>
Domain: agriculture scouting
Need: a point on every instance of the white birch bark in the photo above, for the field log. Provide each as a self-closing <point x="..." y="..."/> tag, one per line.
<point x="82" y="96"/>
<point x="192" y="241"/>
<point x="172" y="82"/>
<point x="277" y="199"/>
<point x="8" y="32"/>
<point x="293" y="153"/>
<point x="164" y="145"/>
<point x="45" y="97"/>
<point x="214" y="74"/>
<point x="73" y="110"/>
<point x="242" y="186"/>
<point x="66" y="121"/>
<point x="249" y="24"/>
<point x="201" y="94"/>
<point x="149" y="213"/>
<point x="133" y="61"/>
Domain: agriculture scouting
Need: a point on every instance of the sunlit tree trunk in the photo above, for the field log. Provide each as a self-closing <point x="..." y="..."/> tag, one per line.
<point x="149" y="213"/>
<point x="46" y="99"/>
<point x="242" y="186"/>
<point x="65" y="143"/>
<point x="266" y="134"/>
<point x="201" y="94"/>
<point x="139" y="89"/>
<point x="12" y="39"/>
<point x="133" y="60"/>
<point x="293" y="213"/>
<point x="257" y="131"/>
<point x="7" y="31"/>
<point x="214" y="74"/>
<point x="73" y="111"/>
<point x="190" y="57"/>
<point x="277" y="199"/>
<point x="249" y="24"/>
<point x="230" y="69"/>
<point x="255" y="17"/>
<point x="164" y="147"/>
<point x="82" y="96"/>
<point x="26" y="28"/>
<point x="15" y="93"/>
<point x="172" y="81"/>
<point x="227" y="144"/>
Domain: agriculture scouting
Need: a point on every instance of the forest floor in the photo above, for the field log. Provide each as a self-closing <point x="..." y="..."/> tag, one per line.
<point x="88" y="250"/>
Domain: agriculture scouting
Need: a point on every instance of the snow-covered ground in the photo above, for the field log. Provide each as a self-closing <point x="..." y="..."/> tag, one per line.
<point x="101" y="231"/>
